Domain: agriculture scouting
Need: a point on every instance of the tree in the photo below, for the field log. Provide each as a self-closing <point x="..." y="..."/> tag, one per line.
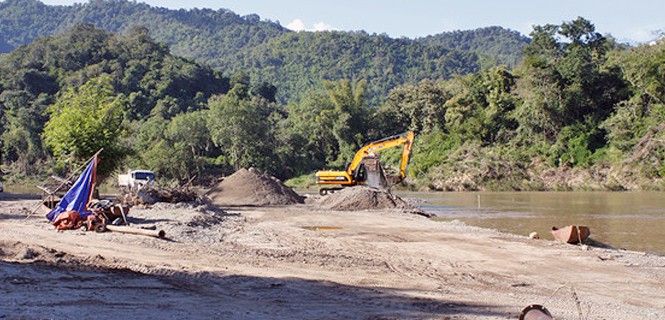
<point x="154" y="81"/>
<point x="306" y="139"/>
<point x="564" y="82"/>
<point x="189" y="138"/>
<point x="418" y="107"/>
<point x="350" y="118"/>
<point x="243" y="127"/>
<point x="84" y="120"/>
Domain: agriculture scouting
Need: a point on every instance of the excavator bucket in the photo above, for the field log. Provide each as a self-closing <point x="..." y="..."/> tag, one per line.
<point x="376" y="177"/>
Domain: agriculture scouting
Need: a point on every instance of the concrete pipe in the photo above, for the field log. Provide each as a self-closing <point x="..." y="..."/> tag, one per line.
<point x="535" y="312"/>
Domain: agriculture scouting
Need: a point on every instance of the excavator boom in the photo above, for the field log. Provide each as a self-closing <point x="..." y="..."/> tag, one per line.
<point x="351" y="176"/>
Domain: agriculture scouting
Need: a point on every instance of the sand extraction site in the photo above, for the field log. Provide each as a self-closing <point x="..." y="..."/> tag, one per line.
<point x="265" y="252"/>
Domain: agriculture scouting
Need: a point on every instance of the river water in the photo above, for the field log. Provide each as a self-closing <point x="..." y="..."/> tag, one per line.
<point x="627" y="220"/>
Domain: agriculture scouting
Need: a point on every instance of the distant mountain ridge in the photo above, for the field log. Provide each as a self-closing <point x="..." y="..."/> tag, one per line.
<point x="266" y="51"/>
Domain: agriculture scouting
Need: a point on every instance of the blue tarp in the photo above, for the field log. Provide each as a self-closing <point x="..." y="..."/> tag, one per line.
<point x="79" y="194"/>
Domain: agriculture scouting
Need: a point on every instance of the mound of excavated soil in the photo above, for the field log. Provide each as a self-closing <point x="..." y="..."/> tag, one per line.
<point x="252" y="188"/>
<point x="186" y="222"/>
<point x="364" y="198"/>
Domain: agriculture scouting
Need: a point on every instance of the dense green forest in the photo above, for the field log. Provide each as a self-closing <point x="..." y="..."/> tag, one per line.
<point x="267" y="52"/>
<point x="63" y="84"/>
<point x="579" y="111"/>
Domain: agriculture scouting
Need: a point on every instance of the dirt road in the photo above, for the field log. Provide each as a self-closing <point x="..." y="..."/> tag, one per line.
<point x="304" y="262"/>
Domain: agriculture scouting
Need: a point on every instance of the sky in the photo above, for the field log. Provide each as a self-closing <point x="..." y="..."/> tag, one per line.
<point x="629" y="21"/>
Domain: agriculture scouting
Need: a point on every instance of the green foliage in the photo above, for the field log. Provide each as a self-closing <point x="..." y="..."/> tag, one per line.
<point x="577" y="100"/>
<point x="298" y="62"/>
<point x="178" y="149"/>
<point x="243" y="128"/>
<point x="430" y="150"/>
<point x="326" y="127"/>
<point x="302" y="181"/>
<point x="637" y="129"/>
<point x="306" y="139"/>
<point x="578" y="104"/>
<point x="576" y="144"/>
<point x="481" y="105"/>
<point x="418" y="107"/>
<point x="152" y="80"/>
<point x="349" y="116"/>
<point x="85" y="120"/>
<point x="494" y="45"/>
<point x="564" y="82"/>
<point x="303" y="60"/>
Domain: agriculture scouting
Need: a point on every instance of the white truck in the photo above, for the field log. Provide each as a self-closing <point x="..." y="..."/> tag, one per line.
<point x="136" y="179"/>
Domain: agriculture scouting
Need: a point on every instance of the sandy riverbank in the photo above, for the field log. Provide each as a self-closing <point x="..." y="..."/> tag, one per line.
<point x="301" y="261"/>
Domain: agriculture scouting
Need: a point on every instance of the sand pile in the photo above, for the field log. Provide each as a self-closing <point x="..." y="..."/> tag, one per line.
<point x="365" y="198"/>
<point x="252" y="188"/>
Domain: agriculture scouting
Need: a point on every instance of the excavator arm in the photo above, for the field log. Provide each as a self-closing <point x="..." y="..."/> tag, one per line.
<point x="405" y="139"/>
<point x="351" y="175"/>
<point x="406" y="155"/>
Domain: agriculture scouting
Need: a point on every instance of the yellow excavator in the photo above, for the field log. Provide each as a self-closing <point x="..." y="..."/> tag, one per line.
<point x="365" y="168"/>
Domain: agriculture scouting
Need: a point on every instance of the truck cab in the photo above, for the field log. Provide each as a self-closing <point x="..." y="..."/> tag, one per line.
<point x="136" y="179"/>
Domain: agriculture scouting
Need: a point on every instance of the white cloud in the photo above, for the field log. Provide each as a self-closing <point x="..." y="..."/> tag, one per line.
<point x="322" y="26"/>
<point x="298" y="25"/>
<point x="640" y="35"/>
<point x="645" y="34"/>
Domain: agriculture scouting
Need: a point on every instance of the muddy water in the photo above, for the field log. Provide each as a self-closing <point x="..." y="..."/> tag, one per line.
<point x="629" y="220"/>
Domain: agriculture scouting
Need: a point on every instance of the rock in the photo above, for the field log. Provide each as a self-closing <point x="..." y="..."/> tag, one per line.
<point x="146" y="197"/>
<point x="26" y="254"/>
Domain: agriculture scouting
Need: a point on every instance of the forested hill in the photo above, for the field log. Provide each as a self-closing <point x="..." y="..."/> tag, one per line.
<point x="494" y="45"/>
<point x="267" y="51"/>
<point x="130" y="74"/>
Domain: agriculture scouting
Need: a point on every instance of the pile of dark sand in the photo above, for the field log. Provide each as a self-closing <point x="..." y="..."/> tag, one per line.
<point x="250" y="187"/>
<point x="365" y="198"/>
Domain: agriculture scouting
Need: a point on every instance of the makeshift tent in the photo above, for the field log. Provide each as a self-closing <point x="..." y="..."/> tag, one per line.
<point x="79" y="195"/>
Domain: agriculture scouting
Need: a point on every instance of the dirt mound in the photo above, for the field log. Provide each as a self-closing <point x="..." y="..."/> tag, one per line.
<point x="20" y="252"/>
<point x="186" y="222"/>
<point x="364" y="198"/>
<point x="252" y="188"/>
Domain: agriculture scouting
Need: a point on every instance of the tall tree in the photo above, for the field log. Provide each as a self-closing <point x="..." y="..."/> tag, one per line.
<point x="243" y="127"/>
<point x="84" y="120"/>
<point x="350" y="116"/>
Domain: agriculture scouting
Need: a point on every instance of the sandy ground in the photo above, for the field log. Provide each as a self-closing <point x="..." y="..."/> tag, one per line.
<point x="300" y="262"/>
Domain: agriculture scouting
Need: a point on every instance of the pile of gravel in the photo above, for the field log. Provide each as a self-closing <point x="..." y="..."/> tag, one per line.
<point x="364" y="198"/>
<point x="250" y="187"/>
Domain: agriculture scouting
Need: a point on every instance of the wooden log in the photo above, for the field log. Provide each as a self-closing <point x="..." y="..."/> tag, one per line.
<point x="143" y="232"/>
<point x="61" y="180"/>
<point x="45" y="190"/>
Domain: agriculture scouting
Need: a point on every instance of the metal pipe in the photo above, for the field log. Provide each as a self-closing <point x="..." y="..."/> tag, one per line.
<point x="143" y="232"/>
